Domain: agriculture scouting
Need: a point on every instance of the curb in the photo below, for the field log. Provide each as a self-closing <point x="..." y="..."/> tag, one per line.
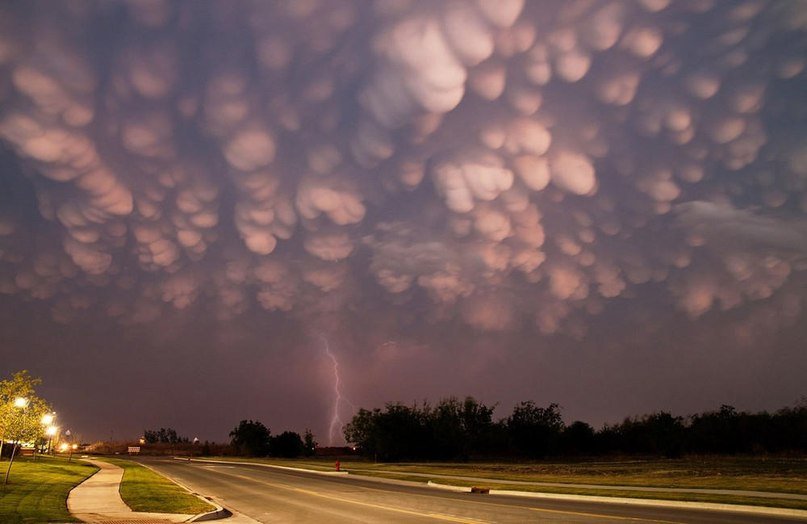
<point x="713" y="506"/>
<point x="220" y="512"/>
<point x="274" y="466"/>
<point x="736" y="508"/>
<point x="448" y="487"/>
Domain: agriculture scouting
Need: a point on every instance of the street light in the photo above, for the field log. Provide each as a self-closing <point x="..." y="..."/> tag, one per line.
<point x="69" y="435"/>
<point x="51" y="432"/>
<point x="20" y="403"/>
<point x="47" y="419"/>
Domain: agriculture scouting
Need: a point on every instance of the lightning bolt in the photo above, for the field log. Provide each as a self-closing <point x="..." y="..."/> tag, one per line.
<point x="338" y="398"/>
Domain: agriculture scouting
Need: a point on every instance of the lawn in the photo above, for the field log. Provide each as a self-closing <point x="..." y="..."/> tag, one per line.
<point x="145" y="490"/>
<point x="37" y="489"/>
<point x="771" y="474"/>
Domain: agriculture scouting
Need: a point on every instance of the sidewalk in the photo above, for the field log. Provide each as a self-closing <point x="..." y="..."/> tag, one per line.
<point x="97" y="500"/>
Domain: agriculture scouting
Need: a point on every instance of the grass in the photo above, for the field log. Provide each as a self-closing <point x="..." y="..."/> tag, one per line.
<point x="776" y="475"/>
<point x="145" y="490"/>
<point x="37" y="489"/>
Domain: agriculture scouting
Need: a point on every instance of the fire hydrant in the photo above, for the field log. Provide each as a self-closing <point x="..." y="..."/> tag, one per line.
<point x="338" y="465"/>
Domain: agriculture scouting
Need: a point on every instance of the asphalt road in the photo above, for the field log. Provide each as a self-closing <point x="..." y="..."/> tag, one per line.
<point x="271" y="495"/>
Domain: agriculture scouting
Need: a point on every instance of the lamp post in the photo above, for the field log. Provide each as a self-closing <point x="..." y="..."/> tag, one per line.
<point x="47" y="420"/>
<point x="69" y="435"/>
<point x="51" y="432"/>
<point x="20" y="403"/>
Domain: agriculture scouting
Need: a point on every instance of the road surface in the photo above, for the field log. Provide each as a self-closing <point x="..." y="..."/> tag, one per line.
<point x="270" y="495"/>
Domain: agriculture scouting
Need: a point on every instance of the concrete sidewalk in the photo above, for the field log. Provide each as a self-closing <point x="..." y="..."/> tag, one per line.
<point x="98" y="500"/>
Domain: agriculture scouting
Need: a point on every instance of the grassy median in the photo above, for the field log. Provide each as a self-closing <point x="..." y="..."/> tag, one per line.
<point x="142" y="489"/>
<point x="769" y="474"/>
<point x="37" y="489"/>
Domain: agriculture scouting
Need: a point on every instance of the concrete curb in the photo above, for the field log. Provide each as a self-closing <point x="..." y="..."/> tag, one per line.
<point x="448" y="487"/>
<point x="712" y="506"/>
<point x="220" y="512"/>
<point x="274" y="466"/>
<point x="737" y="508"/>
<point x="600" y="487"/>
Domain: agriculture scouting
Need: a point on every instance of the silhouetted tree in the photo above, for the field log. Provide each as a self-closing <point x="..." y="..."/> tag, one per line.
<point x="716" y="432"/>
<point x="401" y="433"/>
<point x="578" y="439"/>
<point x="362" y="431"/>
<point x="251" y="438"/>
<point x="163" y="436"/>
<point x="457" y="430"/>
<point x="535" y="431"/>
<point x="480" y="430"/>
<point x="309" y="444"/>
<point x="288" y="444"/>
<point x="655" y="434"/>
<point x="791" y="428"/>
<point x="446" y="430"/>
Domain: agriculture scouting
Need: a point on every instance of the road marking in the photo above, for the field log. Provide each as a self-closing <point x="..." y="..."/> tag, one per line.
<point x="578" y="513"/>
<point x="436" y="516"/>
<point x="602" y="516"/>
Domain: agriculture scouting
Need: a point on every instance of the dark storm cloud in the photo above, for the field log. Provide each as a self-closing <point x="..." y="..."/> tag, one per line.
<point x="503" y="164"/>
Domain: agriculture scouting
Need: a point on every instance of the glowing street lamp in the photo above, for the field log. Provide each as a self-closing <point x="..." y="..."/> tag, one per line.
<point x="51" y="432"/>
<point x="20" y="403"/>
<point x="47" y="421"/>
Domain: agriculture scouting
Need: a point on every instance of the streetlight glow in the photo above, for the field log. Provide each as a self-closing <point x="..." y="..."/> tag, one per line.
<point x="51" y="431"/>
<point x="20" y="402"/>
<point x="47" y="419"/>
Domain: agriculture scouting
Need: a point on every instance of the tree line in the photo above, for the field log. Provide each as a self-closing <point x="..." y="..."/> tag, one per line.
<point x="249" y="438"/>
<point x="252" y="438"/>
<point x="164" y="436"/>
<point x="461" y="429"/>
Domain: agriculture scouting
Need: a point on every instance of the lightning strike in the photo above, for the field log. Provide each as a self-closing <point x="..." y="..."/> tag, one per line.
<point x="339" y="399"/>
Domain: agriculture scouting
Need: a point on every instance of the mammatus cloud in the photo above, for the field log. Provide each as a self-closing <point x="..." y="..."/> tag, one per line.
<point x="504" y="164"/>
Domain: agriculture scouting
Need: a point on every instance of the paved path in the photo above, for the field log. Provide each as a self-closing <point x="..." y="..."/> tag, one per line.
<point x="98" y="500"/>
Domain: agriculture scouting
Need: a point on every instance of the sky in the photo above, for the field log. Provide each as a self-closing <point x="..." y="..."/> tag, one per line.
<point x="283" y="211"/>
